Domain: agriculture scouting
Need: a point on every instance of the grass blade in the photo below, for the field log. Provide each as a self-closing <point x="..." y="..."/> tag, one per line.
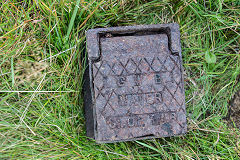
<point x="148" y="146"/>
<point x="70" y="26"/>
<point x="12" y="70"/>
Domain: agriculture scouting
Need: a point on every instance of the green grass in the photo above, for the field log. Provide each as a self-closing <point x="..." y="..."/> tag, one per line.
<point x="50" y="35"/>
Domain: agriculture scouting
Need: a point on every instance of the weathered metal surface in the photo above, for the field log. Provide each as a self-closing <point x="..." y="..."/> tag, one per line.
<point x="136" y="83"/>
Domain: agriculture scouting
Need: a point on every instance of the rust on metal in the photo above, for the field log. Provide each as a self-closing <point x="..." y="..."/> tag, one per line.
<point x="134" y="85"/>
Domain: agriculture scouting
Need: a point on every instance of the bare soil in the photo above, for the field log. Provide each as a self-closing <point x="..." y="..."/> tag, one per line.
<point x="234" y="110"/>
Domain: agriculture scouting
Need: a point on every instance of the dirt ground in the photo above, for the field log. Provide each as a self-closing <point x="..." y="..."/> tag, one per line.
<point x="234" y="110"/>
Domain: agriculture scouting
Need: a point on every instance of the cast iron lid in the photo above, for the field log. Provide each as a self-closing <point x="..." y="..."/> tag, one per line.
<point x="136" y="83"/>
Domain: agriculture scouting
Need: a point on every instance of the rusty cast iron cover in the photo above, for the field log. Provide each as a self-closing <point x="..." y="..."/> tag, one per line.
<point x="134" y="86"/>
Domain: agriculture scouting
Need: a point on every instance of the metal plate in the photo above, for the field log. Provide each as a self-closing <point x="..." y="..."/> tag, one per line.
<point x="136" y="83"/>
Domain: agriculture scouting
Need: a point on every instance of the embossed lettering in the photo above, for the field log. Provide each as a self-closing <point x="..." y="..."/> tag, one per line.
<point x="158" y="78"/>
<point x="122" y="100"/>
<point x="162" y="117"/>
<point x="121" y="81"/>
<point x="140" y="99"/>
<point x="137" y="79"/>
<point x="125" y="121"/>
